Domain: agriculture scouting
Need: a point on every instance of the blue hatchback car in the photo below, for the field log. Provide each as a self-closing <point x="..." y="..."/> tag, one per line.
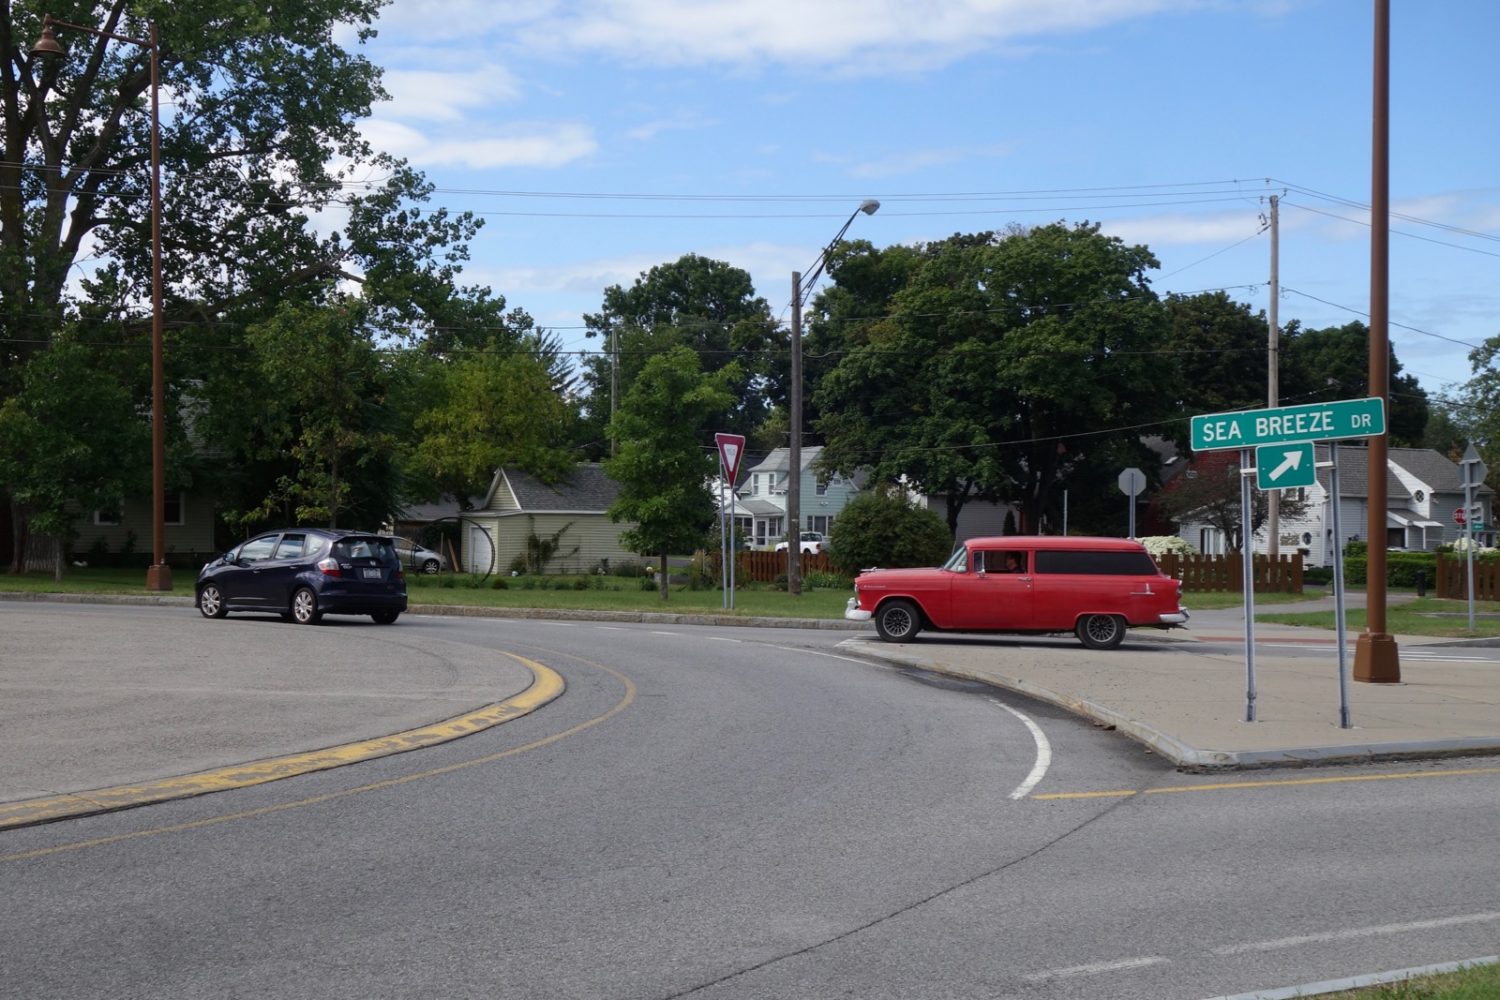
<point x="304" y="573"/>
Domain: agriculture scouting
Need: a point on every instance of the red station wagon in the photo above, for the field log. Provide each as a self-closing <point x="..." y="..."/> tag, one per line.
<point x="1092" y="587"/>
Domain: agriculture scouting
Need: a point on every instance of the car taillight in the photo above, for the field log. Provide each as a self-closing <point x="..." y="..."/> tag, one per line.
<point x="400" y="574"/>
<point x="330" y="567"/>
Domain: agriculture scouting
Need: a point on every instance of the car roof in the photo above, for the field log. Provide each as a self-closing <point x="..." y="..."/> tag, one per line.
<point x="1059" y="543"/>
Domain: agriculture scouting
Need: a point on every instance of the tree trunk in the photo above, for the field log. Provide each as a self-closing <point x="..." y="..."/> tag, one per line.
<point x="18" y="538"/>
<point x="661" y="576"/>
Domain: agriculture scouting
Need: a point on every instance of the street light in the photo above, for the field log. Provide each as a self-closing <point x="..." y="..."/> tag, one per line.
<point x="159" y="575"/>
<point x="794" y="407"/>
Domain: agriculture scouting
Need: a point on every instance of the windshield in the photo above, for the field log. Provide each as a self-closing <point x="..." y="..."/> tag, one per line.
<point x="958" y="562"/>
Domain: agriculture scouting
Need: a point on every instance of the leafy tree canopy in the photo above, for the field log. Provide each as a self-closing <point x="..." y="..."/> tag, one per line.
<point x="663" y="467"/>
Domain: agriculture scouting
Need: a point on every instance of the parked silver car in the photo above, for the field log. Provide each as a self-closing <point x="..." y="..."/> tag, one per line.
<point x="418" y="559"/>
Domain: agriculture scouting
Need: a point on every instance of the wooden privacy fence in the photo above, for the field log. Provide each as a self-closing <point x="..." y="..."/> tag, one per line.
<point x="1453" y="578"/>
<point x="765" y="567"/>
<point x="1282" y="575"/>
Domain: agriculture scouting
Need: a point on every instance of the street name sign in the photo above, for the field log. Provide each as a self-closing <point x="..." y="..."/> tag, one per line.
<point x="1335" y="421"/>
<point x="1285" y="466"/>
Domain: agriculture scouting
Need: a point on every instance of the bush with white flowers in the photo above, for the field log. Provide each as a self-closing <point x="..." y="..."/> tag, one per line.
<point x="1163" y="545"/>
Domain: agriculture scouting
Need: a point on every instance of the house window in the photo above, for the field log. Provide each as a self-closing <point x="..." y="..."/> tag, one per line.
<point x="822" y="489"/>
<point x="172" y="509"/>
<point x="110" y="518"/>
<point x="820" y="523"/>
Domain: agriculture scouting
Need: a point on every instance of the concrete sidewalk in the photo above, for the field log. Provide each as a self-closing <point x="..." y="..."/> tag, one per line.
<point x="104" y="708"/>
<point x="1193" y="707"/>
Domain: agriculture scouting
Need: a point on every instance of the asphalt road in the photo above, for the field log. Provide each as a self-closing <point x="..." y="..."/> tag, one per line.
<point x="721" y="813"/>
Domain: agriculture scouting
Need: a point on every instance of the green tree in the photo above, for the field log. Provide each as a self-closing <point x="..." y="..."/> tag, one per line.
<point x="1220" y="348"/>
<point x="324" y="417"/>
<point x="695" y="302"/>
<point x="1334" y="363"/>
<point x="1002" y="361"/>
<point x="492" y="409"/>
<point x="1479" y="411"/>
<point x="664" y="464"/>
<point x="879" y="527"/>
<point x="1213" y="496"/>
<point x="71" y="441"/>
<point x="261" y="137"/>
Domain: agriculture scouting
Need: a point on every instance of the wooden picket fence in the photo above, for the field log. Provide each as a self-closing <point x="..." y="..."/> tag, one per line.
<point x="1453" y="578"/>
<point x="1224" y="573"/>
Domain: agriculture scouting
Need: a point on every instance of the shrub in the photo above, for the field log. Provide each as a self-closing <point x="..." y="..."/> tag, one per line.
<point x="1161" y="545"/>
<point x="500" y="583"/>
<point x="1401" y="568"/>
<point x="826" y="581"/>
<point x="879" y="528"/>
<point x="1317" y="574"/>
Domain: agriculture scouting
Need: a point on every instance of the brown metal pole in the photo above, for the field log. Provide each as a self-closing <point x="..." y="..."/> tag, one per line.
<point x="1376" y="660"/>
<point x="159" y="576"/>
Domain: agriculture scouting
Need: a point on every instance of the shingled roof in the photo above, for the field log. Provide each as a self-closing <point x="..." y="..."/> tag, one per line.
<point x="585" y="490"/>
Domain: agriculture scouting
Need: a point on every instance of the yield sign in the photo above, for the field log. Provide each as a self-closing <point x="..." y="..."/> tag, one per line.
<point x="731" y="447"/>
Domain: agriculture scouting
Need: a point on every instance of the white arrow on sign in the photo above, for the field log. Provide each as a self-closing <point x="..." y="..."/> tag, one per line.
<point x="1292" y="461"/>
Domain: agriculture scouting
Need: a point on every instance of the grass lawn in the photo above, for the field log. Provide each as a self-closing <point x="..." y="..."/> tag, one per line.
<point x="600" y="594"/>
<point x="1422" y="616"/>
<point x="1215" y="601"/>
<point x="1477" y="983"/>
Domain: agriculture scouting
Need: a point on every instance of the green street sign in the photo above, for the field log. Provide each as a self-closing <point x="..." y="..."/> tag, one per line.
<point x="1285" y="466"/>
<point x="1344" y="418"/>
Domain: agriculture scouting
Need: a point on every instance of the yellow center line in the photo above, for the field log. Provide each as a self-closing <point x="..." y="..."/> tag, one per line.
<point x="1125" y="793"/>
<point x="376" y="786"/>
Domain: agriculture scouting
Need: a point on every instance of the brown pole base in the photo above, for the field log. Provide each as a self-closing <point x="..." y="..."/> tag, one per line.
<point x="159" y="577"/>
<point x="1376" y="660"/>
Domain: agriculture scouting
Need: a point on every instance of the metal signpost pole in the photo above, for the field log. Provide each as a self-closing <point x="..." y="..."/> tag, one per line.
<point x="1338" y="589"/>
<point x="734" y="549"/>
<point x="1473" y="536"/>
<point x="1247" y="580"/>
<point x="723" y="544"/>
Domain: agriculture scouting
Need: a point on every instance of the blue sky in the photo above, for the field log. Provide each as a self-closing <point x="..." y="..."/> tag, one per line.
<point x="601" y="137"/>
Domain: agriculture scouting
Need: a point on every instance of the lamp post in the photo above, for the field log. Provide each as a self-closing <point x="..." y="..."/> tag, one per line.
<point x="159" y="575"/>
<point x="794" y="408"/>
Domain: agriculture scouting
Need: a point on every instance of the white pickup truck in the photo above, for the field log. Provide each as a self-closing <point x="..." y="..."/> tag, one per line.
<point x="811" y="543"/>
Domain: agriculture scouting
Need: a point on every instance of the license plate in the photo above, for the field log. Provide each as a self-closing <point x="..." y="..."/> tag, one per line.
<point x="368" y="573"/>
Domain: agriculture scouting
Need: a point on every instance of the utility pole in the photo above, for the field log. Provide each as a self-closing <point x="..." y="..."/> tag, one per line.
<point x="1273" y="375"/>
<point x="794" y="448"/>
<point x="614" y="381"/>
<point x="1376" y="660"/>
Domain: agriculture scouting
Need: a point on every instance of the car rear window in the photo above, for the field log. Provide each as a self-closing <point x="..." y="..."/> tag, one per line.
<point x="1096" y="563"/>
<point x="367" y="550"/>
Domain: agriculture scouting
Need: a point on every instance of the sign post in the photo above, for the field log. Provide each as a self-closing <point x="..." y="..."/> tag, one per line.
<point x="1472" y="470"/>
<point x="1132" y="481"/>
<point x="731" y="450"/>
<point x="1283" y="438"/>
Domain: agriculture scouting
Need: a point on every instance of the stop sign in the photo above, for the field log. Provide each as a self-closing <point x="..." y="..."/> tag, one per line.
<point x="1459" y="517"/>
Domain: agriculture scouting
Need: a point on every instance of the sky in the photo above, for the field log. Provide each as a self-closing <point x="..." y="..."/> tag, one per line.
<point x="599" y="138"/>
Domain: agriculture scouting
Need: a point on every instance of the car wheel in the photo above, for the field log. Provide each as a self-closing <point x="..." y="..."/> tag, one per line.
<point x="211" y="602"/>
<point x="385" y="617"/>
<point x="898" y="621"/>
<point x="1101" y="631"/>
<point x="430" y="567"/>
<point x="305" y="607"/>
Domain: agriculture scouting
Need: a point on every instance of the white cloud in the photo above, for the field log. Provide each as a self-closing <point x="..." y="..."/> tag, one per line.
<point x="1173" y="229"/>
<point x="915" y="160"/>
<point x="678" y="123"/>
<point x="522" y="144"/>
<point x="873" y="35"/>
<point x="434" y="95"/>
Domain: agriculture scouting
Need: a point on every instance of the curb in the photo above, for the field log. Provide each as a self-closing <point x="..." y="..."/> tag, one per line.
<point x="1189" y="758"/>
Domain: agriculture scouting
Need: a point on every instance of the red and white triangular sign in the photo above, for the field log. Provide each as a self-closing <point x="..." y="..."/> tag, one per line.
<point x="731" y="448"/>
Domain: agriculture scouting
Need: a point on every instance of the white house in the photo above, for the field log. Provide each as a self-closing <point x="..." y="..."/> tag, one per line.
<point x="1422" y="492"/>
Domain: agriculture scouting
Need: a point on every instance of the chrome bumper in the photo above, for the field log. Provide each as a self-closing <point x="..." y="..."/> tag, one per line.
<point x="854" y="613"/>
<point x="1178" y="617"/>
